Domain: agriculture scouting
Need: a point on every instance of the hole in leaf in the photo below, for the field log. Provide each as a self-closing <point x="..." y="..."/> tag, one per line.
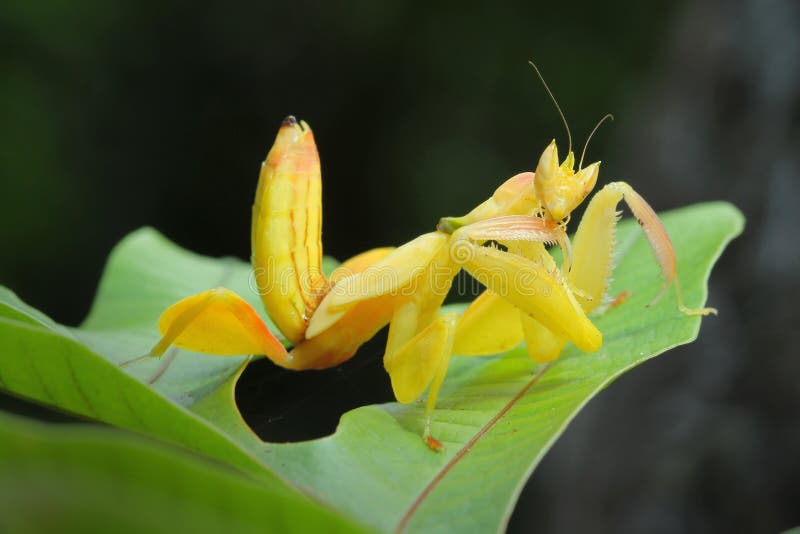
<point x="281" y="405"/>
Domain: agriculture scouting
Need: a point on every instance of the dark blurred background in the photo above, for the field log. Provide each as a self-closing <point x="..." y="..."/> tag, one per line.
<point x="118" y="114"/>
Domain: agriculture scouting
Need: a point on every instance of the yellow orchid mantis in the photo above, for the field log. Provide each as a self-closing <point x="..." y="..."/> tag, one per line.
<point x="501" y="243"/>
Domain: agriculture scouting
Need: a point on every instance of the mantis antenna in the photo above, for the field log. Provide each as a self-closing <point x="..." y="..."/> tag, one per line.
<point x="553" y="98"/>
<point x="596" y="126"/>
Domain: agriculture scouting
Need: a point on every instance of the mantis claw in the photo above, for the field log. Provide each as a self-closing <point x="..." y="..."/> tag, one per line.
<point x="434" y="444"/>
<point x="161" y="369"/>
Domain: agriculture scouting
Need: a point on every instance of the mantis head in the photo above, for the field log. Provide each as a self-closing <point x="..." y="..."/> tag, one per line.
<point x="559" y="188"/>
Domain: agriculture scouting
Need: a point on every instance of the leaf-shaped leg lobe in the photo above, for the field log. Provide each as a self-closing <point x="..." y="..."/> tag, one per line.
<point x="342" y="339"/>
<point x="218" y="322"/>
<point x="349" y="329"/>
<point x="391" y="275"/>
<point x="542" y="344"/>
<point x="490" y="325"/>
<point x="420" y="362"/>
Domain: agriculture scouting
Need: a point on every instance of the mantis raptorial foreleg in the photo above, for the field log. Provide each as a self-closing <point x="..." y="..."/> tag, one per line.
<point x="593" y="246"/>
<point x="491" y="324"/>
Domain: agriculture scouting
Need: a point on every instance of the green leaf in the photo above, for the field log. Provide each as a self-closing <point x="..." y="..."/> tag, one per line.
<point x="76" y="478"/>
<point x="497" y="416"/>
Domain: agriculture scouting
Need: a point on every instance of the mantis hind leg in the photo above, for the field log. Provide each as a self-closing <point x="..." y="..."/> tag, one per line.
<point x="218" y="322"/>
<point x="490" y="325"/>
<point x="416" y="361"/>
<point x="593" y="246"/>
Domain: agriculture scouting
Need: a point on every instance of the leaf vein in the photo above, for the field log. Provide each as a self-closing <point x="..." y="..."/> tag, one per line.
<point x="465" y="449"/>
<point x="79" y="388"/>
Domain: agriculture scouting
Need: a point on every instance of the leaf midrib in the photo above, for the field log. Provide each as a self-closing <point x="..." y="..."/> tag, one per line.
<point x="466" y="448"/>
